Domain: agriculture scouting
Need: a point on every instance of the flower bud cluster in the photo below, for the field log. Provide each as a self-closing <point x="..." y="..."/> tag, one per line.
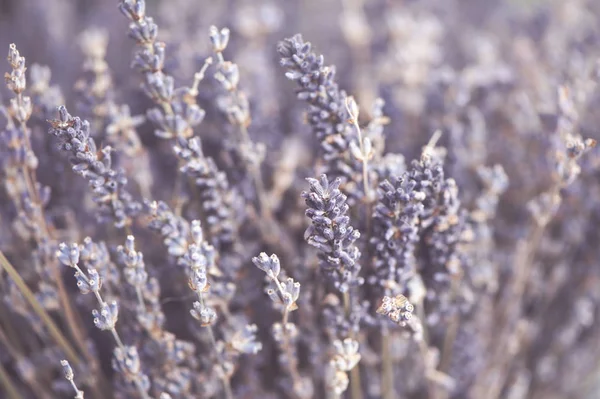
<point x="126" y="360"/>
<point x="69" y="376"/>
<point x="397" y="308"/>
<point x="345" y="358"/>
<point x="396" y="220"/>
<point x="175" y="117"/>
<point x="327" y="113"/>
<point x="331" y="233"/>
<point x="108" y="185"/>
<point x="284" y="295"/>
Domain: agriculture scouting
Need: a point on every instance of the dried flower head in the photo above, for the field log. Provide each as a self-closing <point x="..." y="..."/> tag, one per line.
<point x="346" y="354"/>
<point x="245" y="341"/>
<point x="397" y="308"/>
<point x="331" y="233"/>
<point x="268" y="264"/>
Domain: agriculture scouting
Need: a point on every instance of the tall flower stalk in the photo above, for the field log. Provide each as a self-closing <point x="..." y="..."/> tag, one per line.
<point x="19" y="166"/>
<point x="176" y="116"/>
<point x="126" y="360"/>
<point x="284" y="295"/>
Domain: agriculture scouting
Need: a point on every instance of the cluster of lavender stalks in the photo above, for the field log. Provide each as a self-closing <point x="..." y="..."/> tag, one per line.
<point x="421" y="223"/>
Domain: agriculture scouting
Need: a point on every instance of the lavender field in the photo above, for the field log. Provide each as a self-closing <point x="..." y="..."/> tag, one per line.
<point x="358" y="199"/>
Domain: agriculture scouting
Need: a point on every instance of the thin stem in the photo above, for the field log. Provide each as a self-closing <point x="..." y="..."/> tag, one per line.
<point x="7" y="328"/>
<point x="40" y="311"/>
<point x="368" y="195"/>
<point x="365" y="157"/>
<point x="199" y="76"/>
<point x="449" y="343"/>
<point x="136" y="380"/>
<point x="73" y="320"/>
<point x="355" y="385"/>
<point x="78" y="392"/>
<point x="277" y="283"/>
<point x="387" y="373"/>
<point x="286" y="344"/>
<point x="213" y="340"/>
<point x="452" y="329"/>
<point x="30" y="173"/>
<point x="9" y="387"/>
<point x="259" y="186"/>
<point x="140" y="299"/>
<point x="433" y="141"/>
<point x="117" y="338"/>
<point x="346" y="298"/>
<point x="177" y="190"/>
<point x="365" y="174"/>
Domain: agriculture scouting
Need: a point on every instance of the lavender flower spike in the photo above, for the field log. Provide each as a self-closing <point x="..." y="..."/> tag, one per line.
<point x="331" y="233"/>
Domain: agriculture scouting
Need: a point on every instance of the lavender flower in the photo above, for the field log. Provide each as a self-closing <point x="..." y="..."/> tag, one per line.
<point x="69" y="376"/>
<point x="396" y="226"/>
<point x="346" y="357"/>
<point x="327" y="113"/>
<point x="331" y="233"/>
<point x="126" y="360"/>
<point x="398" y="309"/>
<point x="474" y="287"/>
<point x="175" y="117"/>
<point x="114" y="202"/>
